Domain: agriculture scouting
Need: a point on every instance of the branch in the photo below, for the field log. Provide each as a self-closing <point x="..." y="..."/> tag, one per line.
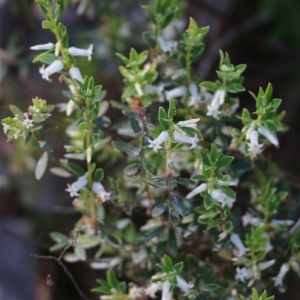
<point x="59" y="261"/>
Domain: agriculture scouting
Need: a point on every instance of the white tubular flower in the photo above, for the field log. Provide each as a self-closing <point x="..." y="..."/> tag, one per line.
<point x="152" y="289"/>
<point x="166" y="294"/>
<point x="55" y="67"/>
<point x="176" y="92"/>
<point x="254" y="147"/>
<point x="76" y="186"/>
<point x="243" y="273"/>
<point x="249" y="130"/>
<point x="268" y="135"/>
<point x="222" y="198"/>
<point x="279" y="278"/>
<point x="47" y="46"/>
<point x="235" y="239"/>
<point x="183" y="285"/>
<point x="189" y="123"/>
<point x="217" y="101"/>
<point x="201" y="188"/>
<point x="249" y="219"/>
<point x="75" y="74"/>
<point x="135" y="292"/>
<point x="27" y="123"/>
<point x="82" y="52"/>
<point x="98" y="188"/>
<point x="166" y="46"/>
<point x="266" y="264"/>
<point x="180" y="138"/>
<point x="156" y="143"/>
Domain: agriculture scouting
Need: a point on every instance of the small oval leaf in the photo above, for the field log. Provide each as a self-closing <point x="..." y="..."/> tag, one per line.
<point x="41" y="166"/>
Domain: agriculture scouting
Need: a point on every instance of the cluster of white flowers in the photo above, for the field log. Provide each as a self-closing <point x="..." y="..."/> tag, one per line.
<point x="179" y="135"/>
<point x="252" y="132"/>
<point x="57" y="65"/>
<point x="215" y="194"/>
<point x="245" y="273"/>
<point x="81" y="182"/>
<point x="151" y="290"/>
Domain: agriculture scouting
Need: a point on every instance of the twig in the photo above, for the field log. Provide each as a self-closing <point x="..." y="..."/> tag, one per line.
<point x="59" y="261"/>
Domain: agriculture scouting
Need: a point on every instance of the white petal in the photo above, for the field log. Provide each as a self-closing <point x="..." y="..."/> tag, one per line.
<point x="166" y="291"/>
<point x="266" y="264"/>
<point x="201" y="188"/>
<point x="75" y="74"/>
<point x="188" y="123"/>
<point x="176" y="92"/>
<point x="269" y="135"/>
<point x="47" y="46"/>
<point x="235" y="239"/>
<point x="82" y="52"/>
<point x="54" y="67"/>
<point x="162" y="137"/>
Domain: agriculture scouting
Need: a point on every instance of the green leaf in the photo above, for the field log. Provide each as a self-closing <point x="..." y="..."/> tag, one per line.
<point x="41" y="166"/>
<point x="172" y="242"/>
<point x="159" y="209"/>
<point x="269" y="91"/>
<point x="98" y="175"/>
<point x="174" y="217"/>
<point x="213" y="289"/>
<point x="208" y="202"/>
<point x="142" y="57"/>
<point x="211" y="86"/>
<point x="178" y="205"/>
<point x="228" y="191"/>
<point x="224" y="161"/>
<point x="112" y="279"/>
<point x="213" y="153"/>
<point x="80" y="253"/>
<point x="128" y="148"/>
<point x="15" y="110"/>
<point x="47" y="25"/>
<point x="172" y="109"/>
<point x="47" y="58"/>
<point x="185" y="181"/>
<point x="162" y="117"/>
<point x="168" y="263"/>
<point x="205" y="159"/>
<point x="59" y="237"/>
<point x="60" y="172"/>
<point x="84" y="126"/>
<point x="156" y="232"/>
<point x="178" y="267"/>
<point x="75" y="169"/>
<point x="87" y="241"/>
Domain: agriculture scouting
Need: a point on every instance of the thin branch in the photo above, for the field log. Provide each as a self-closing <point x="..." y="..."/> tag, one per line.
<point x="59" y="261"/>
